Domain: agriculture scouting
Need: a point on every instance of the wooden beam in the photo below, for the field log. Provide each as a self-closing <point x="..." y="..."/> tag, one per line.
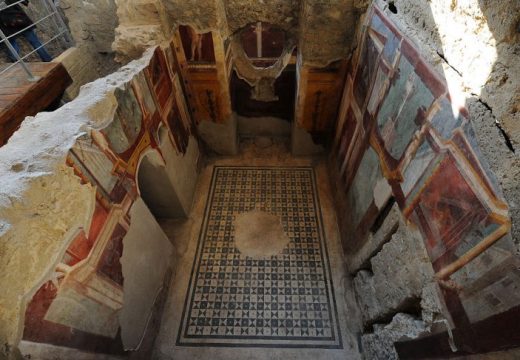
<point x="21" y="98"/>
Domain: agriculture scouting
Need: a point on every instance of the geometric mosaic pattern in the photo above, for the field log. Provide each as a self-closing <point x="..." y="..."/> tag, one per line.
<point x="285" y="300"/>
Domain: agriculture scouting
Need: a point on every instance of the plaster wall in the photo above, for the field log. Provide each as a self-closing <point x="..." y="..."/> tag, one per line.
<point x="478" y="39"/>
<point x="263" y="126"/>
<point x="145" y="244"/>
<point x="220" y="138"/>
<point x="398" y="106"/>
<point x="302" y="142"/>
<point x="37" y="227"/>
<point x="182" y="170"/>
<point x="475" y="44"/>
<point x="156" y="188"/>
<point x="66" y="204"/>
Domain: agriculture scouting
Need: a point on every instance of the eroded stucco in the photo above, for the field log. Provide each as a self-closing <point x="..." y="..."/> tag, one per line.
<point x="43" y="204"/>
<point x="323" y="30"/>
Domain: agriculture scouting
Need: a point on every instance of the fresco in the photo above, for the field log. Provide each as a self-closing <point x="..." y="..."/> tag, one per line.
<point x="361" y="191"/>
<point x="123" y="131"/>
<point x="262" y="40"/>
<point x="159" y="81"/>
<point x="365" y="73"/>
<point x="449" y="212"/>
<point x="403" y="110"/>
<point x="79" y="308"/>
<point x="321" y="94"/>
<point x="109" y="264"/>
<point x="202" y="60"/>
<point x="428" y="153"/>
<point x="197" y="47"/>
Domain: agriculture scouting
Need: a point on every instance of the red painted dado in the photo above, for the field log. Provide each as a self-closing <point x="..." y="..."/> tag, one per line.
<point x="82" y="245"/>
<point x="37" y="329"/>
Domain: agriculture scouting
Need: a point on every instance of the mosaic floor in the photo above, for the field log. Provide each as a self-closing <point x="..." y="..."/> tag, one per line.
<point x="281" y="301"/>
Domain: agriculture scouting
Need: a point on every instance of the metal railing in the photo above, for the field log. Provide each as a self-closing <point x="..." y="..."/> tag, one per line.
<point x="58" y="23"/>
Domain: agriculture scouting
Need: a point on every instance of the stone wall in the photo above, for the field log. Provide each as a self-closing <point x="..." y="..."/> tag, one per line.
<point x="393" y="282"/>
<point x="142" y="24"/>
<point x="71" y="217"/>
<point x="91" y="22"/>
<point x="475" y="44"/>
<point x="405" y="135"/>
<point x="91" y="25"/>
<point x="321" y="28"/>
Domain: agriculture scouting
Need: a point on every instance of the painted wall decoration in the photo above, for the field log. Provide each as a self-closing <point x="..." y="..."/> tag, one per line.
<point x="263" y="43"/>
<point x="79" y="308"/>
<point x="397" y="109"/>
<point x="202" y="63"/>
<point x="206" y="88"/>
<point x="197" y="47"/>
<point x="319" y="94"/>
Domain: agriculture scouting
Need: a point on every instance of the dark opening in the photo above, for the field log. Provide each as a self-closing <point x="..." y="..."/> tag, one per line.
<point x="283" y="108"/>
<point x="392" y="7"/>
<point x="382" y="215"/>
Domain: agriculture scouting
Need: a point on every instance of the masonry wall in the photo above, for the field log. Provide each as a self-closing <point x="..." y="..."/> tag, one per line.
<point x="475" y="45"/>
<point x="406" y="141"/>
<point x="76" y="237"/>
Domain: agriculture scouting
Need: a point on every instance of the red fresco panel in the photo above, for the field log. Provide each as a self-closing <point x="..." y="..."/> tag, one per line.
<point x="37" y="329"/>
<point x="447" y="210"/>
<point x="81" y="246"/>
<point x="110" y="264"/>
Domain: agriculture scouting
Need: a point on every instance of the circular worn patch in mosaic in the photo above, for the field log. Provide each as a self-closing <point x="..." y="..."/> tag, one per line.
<point x="259" y="234"/>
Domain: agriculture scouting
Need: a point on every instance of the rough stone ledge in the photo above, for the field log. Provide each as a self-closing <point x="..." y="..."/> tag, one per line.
<point x="43" y="141"/>
<point x="361" y="259"/>
<point x="42" y="202"/>
<point x="379" y="345"/>
<point x="400" y="272"/>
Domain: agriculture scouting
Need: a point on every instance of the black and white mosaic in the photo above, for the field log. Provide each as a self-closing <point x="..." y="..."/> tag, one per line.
<point x="286" y="300"/>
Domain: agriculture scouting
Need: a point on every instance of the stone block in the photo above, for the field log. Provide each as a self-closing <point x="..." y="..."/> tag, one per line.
<point x="366" y="294"/>
<point x="379" y="345"/>
<point x="375" y="242"/>
<point x="132" y="41"/>
<point x="81" y="66"/>
<point x="400" y="271"/>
